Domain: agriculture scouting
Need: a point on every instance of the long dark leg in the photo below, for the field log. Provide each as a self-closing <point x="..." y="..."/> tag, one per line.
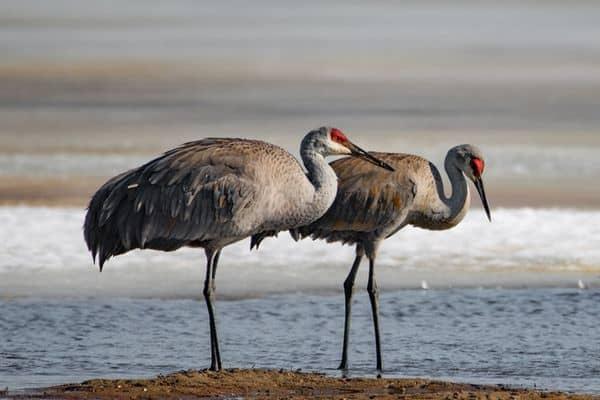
<point x="348" y="291"/>
<point x="374" y="297"/>
<point x="209" y="294"/>
<point x="214" y="273"/>
<point x="215" y="262"/>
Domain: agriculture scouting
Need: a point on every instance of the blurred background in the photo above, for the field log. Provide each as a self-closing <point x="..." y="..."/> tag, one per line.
<point x="88" y="89"/>
<point x="91" y="88"/>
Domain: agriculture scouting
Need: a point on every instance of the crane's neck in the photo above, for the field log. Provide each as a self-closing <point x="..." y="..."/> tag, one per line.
<point x="456" y="206"/>
<point x="323" y="179"/>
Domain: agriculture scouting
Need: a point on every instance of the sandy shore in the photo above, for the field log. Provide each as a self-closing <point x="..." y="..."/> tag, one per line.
<point x="280" y="384"/>
<point x="75" y="191"/>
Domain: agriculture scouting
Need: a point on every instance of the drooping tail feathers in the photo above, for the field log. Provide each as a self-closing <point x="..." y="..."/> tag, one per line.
<point x="105" y="217"/>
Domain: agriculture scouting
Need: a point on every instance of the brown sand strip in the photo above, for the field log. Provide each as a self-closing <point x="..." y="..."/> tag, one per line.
<point x="284" y="384"/>
<point x="48" y="191"/>
<point x="75" y="191"/>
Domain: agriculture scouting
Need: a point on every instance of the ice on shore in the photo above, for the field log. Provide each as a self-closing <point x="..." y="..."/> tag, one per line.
<point x="44" y="253"/>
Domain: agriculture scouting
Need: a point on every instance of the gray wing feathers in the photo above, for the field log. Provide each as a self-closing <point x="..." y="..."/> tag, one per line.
<point x="368" y="200"/>
<point x="183" y="196"/>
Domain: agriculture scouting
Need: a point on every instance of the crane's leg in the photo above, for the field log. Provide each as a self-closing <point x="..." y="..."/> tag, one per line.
<point x="214" y="273"/>
<point x="209" y="294"/>
<point x="348" y="291"/>
<point x="214" y="270"/>
<point x="374" y="297"/>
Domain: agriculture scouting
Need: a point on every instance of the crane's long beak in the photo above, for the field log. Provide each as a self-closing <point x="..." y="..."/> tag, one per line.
<point x="479" y="185"/>
<point x="360" y="153"/>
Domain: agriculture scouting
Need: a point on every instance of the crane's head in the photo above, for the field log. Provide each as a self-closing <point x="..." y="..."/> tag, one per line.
<point x="469" y="159"/>
<point x="329" y="141"/>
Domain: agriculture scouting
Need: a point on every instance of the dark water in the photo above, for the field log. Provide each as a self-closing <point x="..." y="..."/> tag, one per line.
<point x="543" y="337"/>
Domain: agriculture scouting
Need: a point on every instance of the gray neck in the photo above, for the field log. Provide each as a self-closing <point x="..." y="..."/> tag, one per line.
<point x="458" y="203"/>
<point x="323" y="179"/>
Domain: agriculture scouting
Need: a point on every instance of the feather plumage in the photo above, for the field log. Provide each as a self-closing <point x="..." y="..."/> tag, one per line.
<point x="194" y="193"/>
<point x="368" y="198"/>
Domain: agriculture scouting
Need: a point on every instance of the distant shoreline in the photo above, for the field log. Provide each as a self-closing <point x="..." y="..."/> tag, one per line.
<point x="75" y="191"/>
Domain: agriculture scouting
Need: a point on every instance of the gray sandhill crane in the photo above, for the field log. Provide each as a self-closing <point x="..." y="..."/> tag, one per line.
<point x="214" y="192"/>
<point x="371" y="206"/>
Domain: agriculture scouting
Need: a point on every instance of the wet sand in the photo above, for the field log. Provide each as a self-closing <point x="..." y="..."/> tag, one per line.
<point x="47" y="191"/>
<point x="253" y="383"/>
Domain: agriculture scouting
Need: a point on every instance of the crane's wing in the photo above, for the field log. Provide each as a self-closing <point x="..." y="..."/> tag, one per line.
<point x="368" y="198"/>
<point x="187" y="195"/>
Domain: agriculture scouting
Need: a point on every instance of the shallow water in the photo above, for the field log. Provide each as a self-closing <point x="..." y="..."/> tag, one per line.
<point x="543" y="337"/>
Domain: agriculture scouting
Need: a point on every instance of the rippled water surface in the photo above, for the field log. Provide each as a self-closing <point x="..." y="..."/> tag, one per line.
<point x="543" y="337"/>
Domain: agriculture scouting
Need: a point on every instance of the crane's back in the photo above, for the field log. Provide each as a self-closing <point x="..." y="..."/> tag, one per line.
<point x="372" y="203"/>
<point x="204" y="191"/>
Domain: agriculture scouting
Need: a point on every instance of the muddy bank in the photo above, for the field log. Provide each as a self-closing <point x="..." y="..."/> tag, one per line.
<point x="281" y="384"/>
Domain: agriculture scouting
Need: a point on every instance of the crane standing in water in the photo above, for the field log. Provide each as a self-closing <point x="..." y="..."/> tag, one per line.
<point x="214" y="192"/>
<point x="371" y="206"/>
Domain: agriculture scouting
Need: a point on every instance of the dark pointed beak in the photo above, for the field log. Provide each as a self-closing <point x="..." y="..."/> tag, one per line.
<point x="479" y="185"/>
<point x="360" y="153"/>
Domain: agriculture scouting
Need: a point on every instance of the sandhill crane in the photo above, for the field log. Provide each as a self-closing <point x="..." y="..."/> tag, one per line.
<point x="214" y="192"/>
<point x="371" y="206"/>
